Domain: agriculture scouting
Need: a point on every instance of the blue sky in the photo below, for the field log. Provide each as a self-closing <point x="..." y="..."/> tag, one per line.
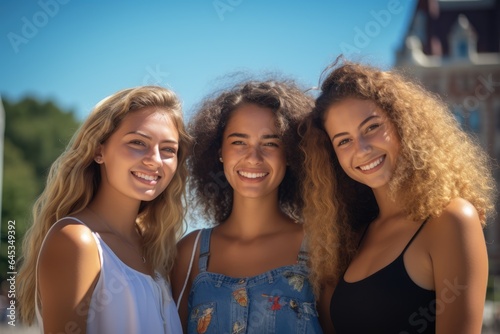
<point x="77" y="52"/>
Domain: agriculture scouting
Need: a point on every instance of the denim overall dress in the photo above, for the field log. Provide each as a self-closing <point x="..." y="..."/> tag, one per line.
<point x="278" y="301"/>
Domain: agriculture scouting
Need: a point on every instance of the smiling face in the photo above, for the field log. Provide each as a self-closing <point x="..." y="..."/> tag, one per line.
<point x="139" y="159"/>
<point x="364" y="139"/>
<point x="252" y="152"/>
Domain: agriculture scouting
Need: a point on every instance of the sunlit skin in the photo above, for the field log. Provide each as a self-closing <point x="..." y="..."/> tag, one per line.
<point x="364" y="140"/>
<point x="137" y="163"/>
<point x="253" y="154"/>
<point x="450" y="249"/>
<point x="140" y="158"/>
<point x="257" y="236"/>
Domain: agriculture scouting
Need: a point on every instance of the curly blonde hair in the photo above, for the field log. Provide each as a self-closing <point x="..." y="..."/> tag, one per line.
<point x="209" y="188"/>
<point x="438" y="162"/>
<point x="74" y="178"/>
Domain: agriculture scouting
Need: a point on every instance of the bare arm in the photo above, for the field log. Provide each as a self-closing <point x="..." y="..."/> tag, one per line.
<point x="179" y="273"/>
<point x="68" y="268"/>
<point x="460" y="265"/>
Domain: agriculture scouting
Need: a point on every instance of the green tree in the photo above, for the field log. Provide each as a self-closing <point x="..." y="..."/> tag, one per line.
<point x="36" y="133"/>
<point x="40" y="130"/>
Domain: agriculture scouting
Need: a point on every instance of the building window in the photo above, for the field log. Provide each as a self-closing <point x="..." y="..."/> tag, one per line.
<point x="462" y="49"/>
<point x="462" y="38"/>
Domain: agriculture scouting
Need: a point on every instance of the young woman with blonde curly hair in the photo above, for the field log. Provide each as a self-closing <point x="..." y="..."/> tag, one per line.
<point x="102" y="243"/>
<point x="248" y="272"/>
<point x="386" y="158"/>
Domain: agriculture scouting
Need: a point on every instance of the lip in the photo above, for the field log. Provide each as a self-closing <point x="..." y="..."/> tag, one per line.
<point x="146" y="178"/>
<point x="372" y="165"/>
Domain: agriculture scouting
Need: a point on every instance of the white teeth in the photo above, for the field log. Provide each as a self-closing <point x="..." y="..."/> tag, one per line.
<point x="252" y="175"/>
<point x="146" y="177"/>
<point x="372" y="165"/>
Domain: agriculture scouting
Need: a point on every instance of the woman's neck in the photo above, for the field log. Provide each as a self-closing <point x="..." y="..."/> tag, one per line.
<point x="252" y="217"/>
<point x="119" y="215"/>
<point x="388" y="205"/>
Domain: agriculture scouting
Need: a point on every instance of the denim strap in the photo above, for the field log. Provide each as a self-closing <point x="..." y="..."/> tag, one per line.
<point x="303" y="257"/>
<point x="204" y="249"/>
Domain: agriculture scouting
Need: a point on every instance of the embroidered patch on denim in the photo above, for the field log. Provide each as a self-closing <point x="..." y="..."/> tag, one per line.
<point x="296" y="281"/>
<point x="204" y="321"/>
<point x="309" y="308"/>
<point x="241" y="296"/>
<point x="238" y="328"/>
<point x="276" y="303"/>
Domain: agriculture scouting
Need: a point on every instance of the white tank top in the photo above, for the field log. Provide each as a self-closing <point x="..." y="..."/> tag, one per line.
<point x="125" y="300"/>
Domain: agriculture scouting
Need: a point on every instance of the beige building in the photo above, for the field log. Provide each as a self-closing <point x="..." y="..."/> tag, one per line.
<point x="453" y="48"/>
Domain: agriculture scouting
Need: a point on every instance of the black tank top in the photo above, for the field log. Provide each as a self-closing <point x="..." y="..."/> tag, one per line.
<point x="387" y="302"/>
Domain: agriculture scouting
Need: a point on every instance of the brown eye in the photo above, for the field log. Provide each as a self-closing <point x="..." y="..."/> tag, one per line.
<point x="169" y="150"/>
<point x="137" y="143"/>
<point x="372" y="127"/>
<point x="343" y="142"/>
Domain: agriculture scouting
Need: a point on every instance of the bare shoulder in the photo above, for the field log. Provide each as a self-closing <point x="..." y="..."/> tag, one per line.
<point x="69" y="252"/>
<point x="186" y="244"/>
<point x="458" y="225"/>
<point x="458" y="253"/>
<point x="458" y="215"/>
<point x="68" y="269"/>
<point x="185" y="249"/>
<point x="68" y="238"/>
<point x="461" y="210"/>
<point x="181" y="266"/>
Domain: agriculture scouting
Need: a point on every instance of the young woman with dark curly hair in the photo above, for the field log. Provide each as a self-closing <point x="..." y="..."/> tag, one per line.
<point x="248" y="273"/>
<point x="387" y="158"/>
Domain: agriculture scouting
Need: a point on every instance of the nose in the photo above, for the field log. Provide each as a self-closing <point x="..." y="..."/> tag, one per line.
<point x="254" y="155"/>
<point x="153" y="157"/>
<point x="362" y="146"/>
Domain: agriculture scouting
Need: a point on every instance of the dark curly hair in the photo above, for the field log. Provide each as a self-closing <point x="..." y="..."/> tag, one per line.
<point x="209" y="189"/>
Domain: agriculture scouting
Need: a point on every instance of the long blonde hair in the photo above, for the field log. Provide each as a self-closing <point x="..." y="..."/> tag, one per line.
<point x="74" y="178"/>
<point x="438" y="162"/>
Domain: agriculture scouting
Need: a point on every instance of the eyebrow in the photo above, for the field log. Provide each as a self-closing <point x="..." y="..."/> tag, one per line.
<point x="242" y="135"/>
<point x="173" y="141"/>
<point x="369" y="118"/>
